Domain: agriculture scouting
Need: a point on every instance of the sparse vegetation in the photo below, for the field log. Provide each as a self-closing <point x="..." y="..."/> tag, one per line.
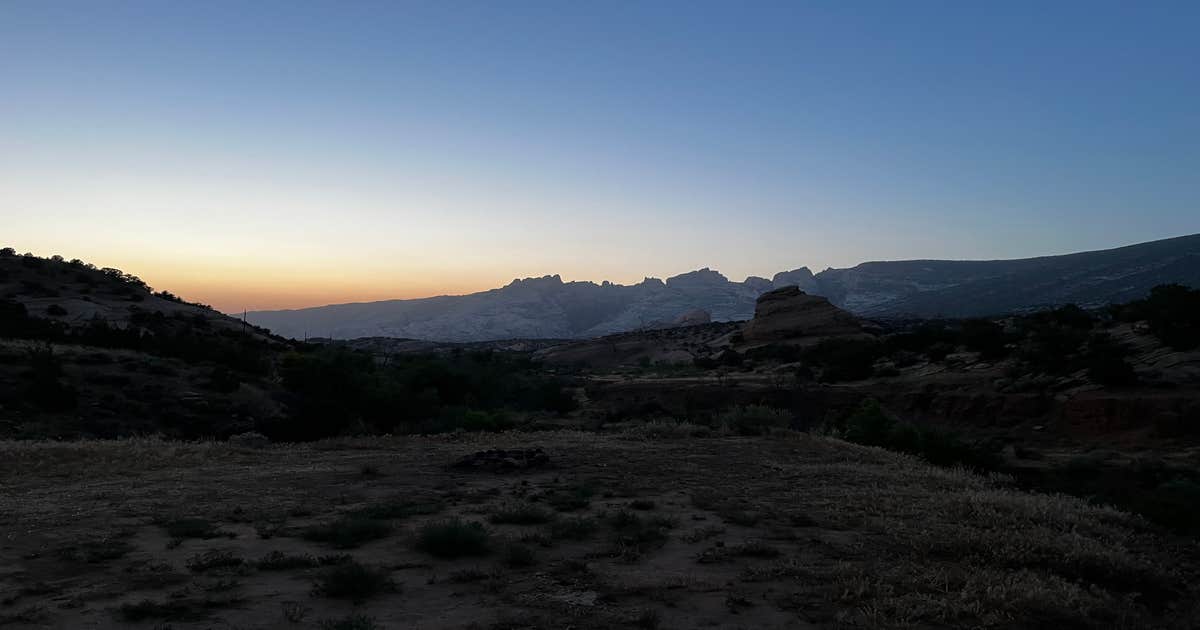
<point x="348" y="532"/>
<point x="753" y="420"/>
<point x="573" y="528"/>
<point x="516" y="555"/>
<point x="516" y="513"/>
<point x="184" y="528"/>
<point x="453" y="538"/>
<point x="280" y="561"/>
<point x="350" y="622"/>
<point x="214" y="559"/>
<point x="354" y="581"/>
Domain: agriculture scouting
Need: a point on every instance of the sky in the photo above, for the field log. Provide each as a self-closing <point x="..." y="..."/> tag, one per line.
<point x="258" y="155"/>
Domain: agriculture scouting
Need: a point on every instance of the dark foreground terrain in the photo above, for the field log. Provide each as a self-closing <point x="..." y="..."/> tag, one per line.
<point x="624" y="530"/>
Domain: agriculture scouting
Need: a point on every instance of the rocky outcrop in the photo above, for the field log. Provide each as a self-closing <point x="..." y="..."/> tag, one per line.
<point x="791" y="315"/>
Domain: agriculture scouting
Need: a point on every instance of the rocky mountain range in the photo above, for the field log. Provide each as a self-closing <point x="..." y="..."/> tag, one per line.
<point x="547" y="307"/>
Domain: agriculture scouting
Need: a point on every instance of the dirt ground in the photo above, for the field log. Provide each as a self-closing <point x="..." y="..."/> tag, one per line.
<point x="787" y="531"/>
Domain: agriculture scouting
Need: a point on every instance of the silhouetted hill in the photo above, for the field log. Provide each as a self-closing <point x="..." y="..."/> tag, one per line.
<point x="942" y="288"/>
<point x="547" y="307"/>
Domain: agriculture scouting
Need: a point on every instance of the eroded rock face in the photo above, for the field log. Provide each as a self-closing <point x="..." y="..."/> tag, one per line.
<point x="790" y="314"/>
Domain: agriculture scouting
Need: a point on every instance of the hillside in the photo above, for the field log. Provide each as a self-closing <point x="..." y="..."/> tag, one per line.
<point x="547" y="307"/>
<point x="95" y="352"/>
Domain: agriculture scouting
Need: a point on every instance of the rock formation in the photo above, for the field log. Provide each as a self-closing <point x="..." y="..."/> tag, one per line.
<point x="791" y="315"/>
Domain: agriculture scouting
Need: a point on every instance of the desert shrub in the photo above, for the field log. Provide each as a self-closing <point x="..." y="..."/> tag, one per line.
<point x="753" y="419"/>
<point x="570" y="499"/>
<point x="665" y="429"/>
<point x="97" y="550"/>
<point x="350" y="622"/>
<point x="871" y="426"/>
<point x="204" y="529"/>
<point x="845" y="359"/>
<point x="1053" y="341"/>
<point x="46" y="389"/>
<point x="1172" y="312"/>
<point x="150" y="609"/>
<point x="333" y="389"/>
<point x="280" y="561"/>
<point x="214" y="559"/>
<point x="1106" y="364"/>
<point x="348" y="532"/>
<point x="516" y="555"/>
<point x="634" y="535"/>
<point x="354" y="581"/>
<point x="517" y="513"/>
<point x="399" y="508"/>
<point x="985" y="337"/>
<point x="577" y="528"/>
<point x="453" y="538"/>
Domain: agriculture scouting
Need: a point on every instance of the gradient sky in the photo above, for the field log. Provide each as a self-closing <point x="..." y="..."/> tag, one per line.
<point x="268" y="155"/>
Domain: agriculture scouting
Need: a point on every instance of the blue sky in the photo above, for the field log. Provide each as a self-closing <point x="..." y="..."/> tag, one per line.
<point x="266" y="154"/>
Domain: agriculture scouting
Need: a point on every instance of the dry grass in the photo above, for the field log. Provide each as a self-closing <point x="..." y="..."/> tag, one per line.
<point x="798" y="531"/>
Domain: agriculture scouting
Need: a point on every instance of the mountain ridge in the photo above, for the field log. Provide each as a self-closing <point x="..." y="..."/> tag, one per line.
<point x="546" y="306"/>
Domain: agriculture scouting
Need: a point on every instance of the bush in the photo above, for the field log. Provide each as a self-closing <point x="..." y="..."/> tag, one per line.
<point x="354" y="581"/>
<point x="516" y="555"/>
<point x="985" y="337"/>
<point x="871" y="426"/>
<point x="634" y="535"/>
<point x="1106" y="364"/>
<point x="348" y="532"/>
<point x="454" y="538"/>
<point x="1172" y="312"/>
<point x="845" y="359"/>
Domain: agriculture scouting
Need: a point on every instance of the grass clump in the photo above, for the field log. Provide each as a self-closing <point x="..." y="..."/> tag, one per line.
<point x="453" y="538"/>
<point x="350" y="622"/>
<point x="521" y="514"/>
<point x="204" y="529"/>
<point x="348" y="532"/>
<point x="214" y="559"/>
<point x="570" y="499"/>
<point x="579" y="528"/>
<point x="398" y="508"/>
<point x="468" y="576"/>
<point x="96" y="551"/>
<point x="150" y="609"/>
<point x="730" y="511"/>
<point x="279" y="561"/>
<point x="353" y="581"/>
